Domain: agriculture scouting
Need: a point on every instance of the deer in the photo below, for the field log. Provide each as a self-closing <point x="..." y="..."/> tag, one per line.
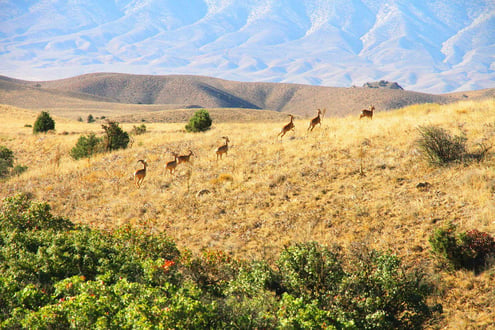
<point x="316" y="120"/>
<point x="185" y="158"/>
<point x="172" y="164"/>
<point x="140" y="174"/>
<point x="367" y="113"/>
<point x="288" y="127"/>
<point x="223" y="148"/>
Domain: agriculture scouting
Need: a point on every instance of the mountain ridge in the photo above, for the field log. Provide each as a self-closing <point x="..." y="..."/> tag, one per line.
<point x="433" y="47"/>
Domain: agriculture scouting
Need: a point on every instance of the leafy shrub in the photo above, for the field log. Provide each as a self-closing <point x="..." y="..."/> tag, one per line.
<point x="373" y="290"/>
<point x="54" y="274"/>
<point x="250" y="301"/>
<point x="379" y="293"/>
<point x="43" y="123"/>
<point x="115" y="137"/>
<point x="439" y="147"/>
<point x="6" y="160"/>
<point x="199" y="122"/>
<point x="309" y="269"/>
<point x="90" y="119"/>
<point x="87" y="146"/>
<point x="20" y="213"/>
<point x="469" y="250"/>
<point x="138" y="130"/>
<point x="212" y="270"/>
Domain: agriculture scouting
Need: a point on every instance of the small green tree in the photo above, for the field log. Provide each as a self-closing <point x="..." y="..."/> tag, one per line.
<point x="90" y="119"/>
<point x="6" y="160"/>
<point x="200" y="122"/>
<point x="86" y="146"/>
<point x="115" y="137"/>
<point x="43" y="123"/>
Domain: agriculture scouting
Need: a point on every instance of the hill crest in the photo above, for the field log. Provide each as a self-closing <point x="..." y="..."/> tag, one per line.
<point x="188" y="91"/>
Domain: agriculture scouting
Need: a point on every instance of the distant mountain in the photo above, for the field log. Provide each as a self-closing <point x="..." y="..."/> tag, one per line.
<point x="430" y="46"/>
<point x="106" y="90"/>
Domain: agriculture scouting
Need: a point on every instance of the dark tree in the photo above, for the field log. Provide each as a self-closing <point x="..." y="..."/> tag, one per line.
<point x="43" y="123"/>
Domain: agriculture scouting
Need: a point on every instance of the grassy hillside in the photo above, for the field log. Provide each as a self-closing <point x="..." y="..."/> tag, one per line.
<point x="349" y="181"/>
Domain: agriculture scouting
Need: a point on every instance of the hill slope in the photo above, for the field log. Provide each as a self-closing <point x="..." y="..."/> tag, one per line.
<point x="176" y="91"/>
<point x="347" y="182"/>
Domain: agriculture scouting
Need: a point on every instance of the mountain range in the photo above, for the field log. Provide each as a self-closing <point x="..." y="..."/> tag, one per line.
<point x="436" y="46"/>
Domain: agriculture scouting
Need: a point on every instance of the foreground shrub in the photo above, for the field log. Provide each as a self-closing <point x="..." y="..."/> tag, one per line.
<point x="43" y="123"/>
<point x="199" y="122"/>
<point x="54" y="274"/>
<point x="19" y="213"/>
<point x="310" y="270"/>
<point x="470" y="250"/>
<point x="87" y="146"/>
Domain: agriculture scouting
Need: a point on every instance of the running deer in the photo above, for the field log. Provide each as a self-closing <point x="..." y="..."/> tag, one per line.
<point x="290" y="126"/>
<point x="316" y="120"/>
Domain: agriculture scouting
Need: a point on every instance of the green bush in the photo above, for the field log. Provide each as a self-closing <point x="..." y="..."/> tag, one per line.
<point x="54" y="274"/>
<point x="6" y="160"/>
<point x="115" y="137"/>
<point x="309" y="269"/>
<point x="199" y="122"/>
<point x="439" y="147"/>
<point x="90" y="119"/>
<point x="138" y="130"/>
<point x="470" y="250"/>
<point x="379" y="293"/>
<point x="87" y="146"/>
<point x="43" y="123"/>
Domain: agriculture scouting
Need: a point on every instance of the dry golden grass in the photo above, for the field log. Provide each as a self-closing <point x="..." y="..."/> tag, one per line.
<point x="349" y="181"/>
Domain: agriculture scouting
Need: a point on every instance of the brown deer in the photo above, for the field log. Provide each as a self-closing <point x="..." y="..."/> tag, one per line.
<point x="140" y="174"/>
<point x="367" y="113"/>
<point x="223" y="148"/>
<point x="185" y="158"/>
<point x="288" y="127"/>
<point x="172" y="164"/>
<point x="316" y="120"/>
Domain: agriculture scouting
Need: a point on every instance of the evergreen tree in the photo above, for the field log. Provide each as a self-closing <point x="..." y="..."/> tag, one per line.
<point x="200" y="122"/>
<point x="43" y="123"/>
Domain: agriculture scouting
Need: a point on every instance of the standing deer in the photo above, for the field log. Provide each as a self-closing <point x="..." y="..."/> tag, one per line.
<point x="316" y="120"/>
<point x="140" y="174"/>
<point x="172" y="164"/>
<point x="223" y="148"/>
<point x="288" y="127"/>
<point x="185" y="158"/>
<point x="367" y="113"/>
